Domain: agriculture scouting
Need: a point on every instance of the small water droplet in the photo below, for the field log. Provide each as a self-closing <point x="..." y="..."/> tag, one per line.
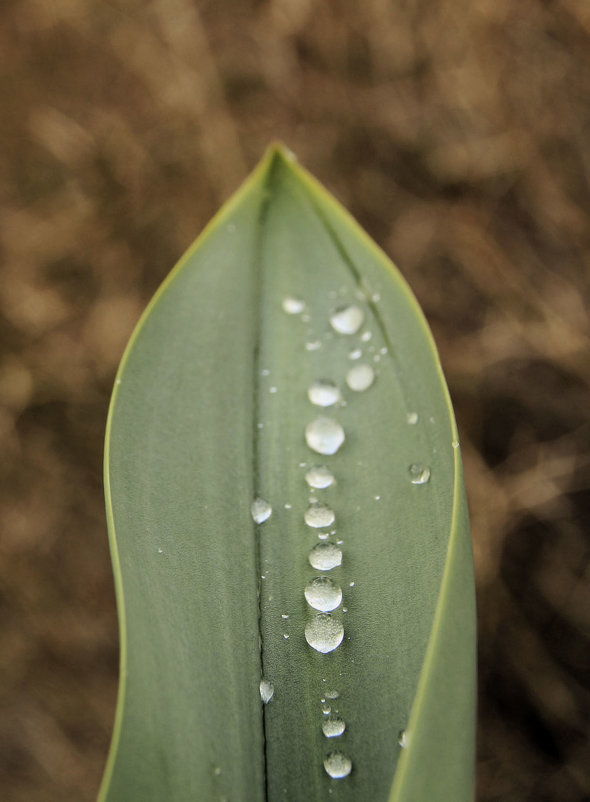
<point x="117" y="381"/>
<point x="332" y="694"/>
<point x="160" y="551"/>
<point x="360" y="378"/>
<point x="326" y="709"/>
<point x="319" y="515"/>
<point x="337" y="765"/>
<point x="351" y="584"/>
<point x="333" y="727"/>
<point x="377" y="498"/>
<point x="217" y="771"/>
<point x="313" y="345"/>
<point x="272" y="389"/>
<point x="324" y="435"/>
<point x="455" y="444"/>
<point x="375" y="297"/>
<point x="366" y="336"/>
<point x="347" y="319"/>
<point x="323" y="594"/>
<point x="285" y="616"/>
<point x="356" y="353"/>
<point x="261" y="510"/>
<point x="383" y="351"/>
<point x="286" y="637"/>
<point x="403" y="739"/>
<point x="293" y="306"/>
<point x="265" y="372"/>
<point x="324" y="633"/>
<point x="412" y="418"/>
<point x="319" y="477"/>
<point x="325" y="556"/>
<point x="419" y="474"/>
<point x="267" y="690"/>
<point x="323" y="393"/>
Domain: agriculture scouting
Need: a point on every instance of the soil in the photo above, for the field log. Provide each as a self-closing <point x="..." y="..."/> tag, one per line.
<point x="457" y="133"/>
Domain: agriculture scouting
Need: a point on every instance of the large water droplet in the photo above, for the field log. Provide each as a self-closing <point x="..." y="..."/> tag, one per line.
<point x="293" y="306"/>
<point x="324" y="435"/>
<point x="324" y="633"/>
<point x="319" y="477"/>
<point x="347" y="320"/>
<point x="322" y="593"/>
<point x="323" y="393"/>
<point x="261" y="510"/>
<point x="333" y="727"/>
<point x="325" y="556"/>
<point x="267" y="690"/>
<point x="360" y="378"/>
<point x="319" y="515"/>
<point x="419" y="474"/>
<point x="337" y="765"/>
<point x="332" y="694"/>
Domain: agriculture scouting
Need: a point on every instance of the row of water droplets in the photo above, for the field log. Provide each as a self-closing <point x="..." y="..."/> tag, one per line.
<point x="324" y="435"/>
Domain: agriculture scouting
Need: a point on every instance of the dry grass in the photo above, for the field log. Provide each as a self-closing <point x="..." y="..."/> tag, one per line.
<point x="457" y="133"/>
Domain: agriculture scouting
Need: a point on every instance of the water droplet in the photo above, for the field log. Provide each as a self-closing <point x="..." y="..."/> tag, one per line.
<point x="455" y="444"/>
<point x="160" y="551"/>
<point x="324" y="435"/>
<point x="366" y="336"/>
<point x="337" y="765"/>
<point x="375" y="297"/>
<point x="333" y="727"/>
<point x="322" y="593"/>
<point x="383" y="351"/>
<point x="360" y="378"/>
<point x="217" y="771"/>
<point x="261" y="510"/>
<point x="412" y="418"/>
<point x="377" y="498"/>
<point x="332" y="694"/>
<point x="265" y="372"/>
<point x="272" y="389"/>
<point x="319" y="477"/>
<point x="293" y="306"/>
<point x="351" y="584"/>
<point x="323" y="393"/>
<point x="286" y="637"/>
<point x="313" y="345"/>
<point x="325" y="556"/>
<point x="419" y="473"/>
<point x="326" y="709"/>
<point x="403" y="739"/>
<point x="356" y="353"/>
<point x="267" y="690"/>
<point x="319" y="515"/>
<point x="285" y="616"/>
<point x="324" y="633"/>
<point x="347" y="320"/>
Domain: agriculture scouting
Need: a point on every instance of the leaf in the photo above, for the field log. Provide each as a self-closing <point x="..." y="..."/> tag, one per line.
<point x="209" y="412"/>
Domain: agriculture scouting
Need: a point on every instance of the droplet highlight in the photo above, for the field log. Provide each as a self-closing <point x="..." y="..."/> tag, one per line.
<point x="325" y="557"/>
<point x="412" y="418"/>
<point x="333" y="727"/>
<point x="324" y="633"/>
<point x="267" y="690"/>
<point x="347" y="319"/>
<point x="403" y="739"/>
<point x="324" y="435"/>
<point x="360" y="378"/>
<point x="337" y="765"/>
<point x="323" y="594"/>
<point x="323" y="393"/>
<point x="261" y="510"/>
<point x="292" y="305"/>
<point x="319" y="515"/>
<point x="419" y="474"/>
<point x="319" y="477"/>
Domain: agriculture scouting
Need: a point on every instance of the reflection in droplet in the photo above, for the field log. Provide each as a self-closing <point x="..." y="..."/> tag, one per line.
<point x="333" y="727"/>
<point x="267" y="690"/>
<point x="360" y="378"/>
<point x="324" y="435"/>
<point x="322" y="593"/>
<point x="419" y="474"/>
<point x="325" y="556"/>
<point x="323" y="393"/>
<point x="319" y="515"/>
<point x="347" y="320"/>
<point x="261" y="510"/>
<point x="319" y="477"/>
<point x="293" y="306"/>
<point x="337" y="765"/>
<point x="324" y="633"/>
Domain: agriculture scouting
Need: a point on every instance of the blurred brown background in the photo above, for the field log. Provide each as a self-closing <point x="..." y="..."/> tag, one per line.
<point x="457" y="132"/>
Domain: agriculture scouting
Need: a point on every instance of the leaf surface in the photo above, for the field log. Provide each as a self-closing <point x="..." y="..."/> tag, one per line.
<point x="210" y="411"/>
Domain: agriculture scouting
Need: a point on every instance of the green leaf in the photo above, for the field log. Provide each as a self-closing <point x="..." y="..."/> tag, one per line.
<point x="209" y="412"/>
